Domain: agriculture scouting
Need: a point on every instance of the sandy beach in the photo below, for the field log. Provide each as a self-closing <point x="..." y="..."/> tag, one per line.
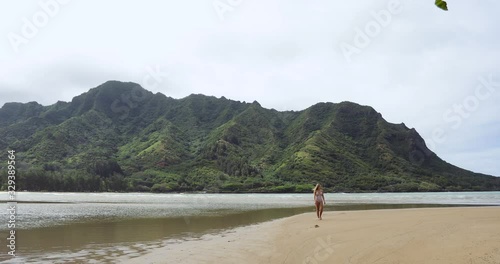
<point x="435" y="235"/>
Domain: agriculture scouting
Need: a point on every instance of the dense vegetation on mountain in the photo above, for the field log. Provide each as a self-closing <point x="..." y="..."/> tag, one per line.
<point x="120" y="137"/>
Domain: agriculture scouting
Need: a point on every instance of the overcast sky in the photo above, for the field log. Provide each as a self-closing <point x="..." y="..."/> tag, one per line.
<point x="435" y="71"/>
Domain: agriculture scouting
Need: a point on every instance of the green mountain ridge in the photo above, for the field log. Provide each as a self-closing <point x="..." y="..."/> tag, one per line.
<point x="121" y="137"/>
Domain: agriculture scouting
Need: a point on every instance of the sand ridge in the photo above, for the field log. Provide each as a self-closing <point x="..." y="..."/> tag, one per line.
<point x="459" y="235"/>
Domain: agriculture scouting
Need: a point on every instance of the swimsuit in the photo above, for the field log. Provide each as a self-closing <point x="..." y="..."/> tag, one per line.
<point x="318" y="197"/>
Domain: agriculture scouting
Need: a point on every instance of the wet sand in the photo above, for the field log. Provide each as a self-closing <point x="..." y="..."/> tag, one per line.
<point x="102" y="240"/>
<point x="430" y="235"/>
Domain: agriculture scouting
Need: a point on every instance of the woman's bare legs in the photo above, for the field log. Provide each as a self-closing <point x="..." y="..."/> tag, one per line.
<point x="317" y="208"/>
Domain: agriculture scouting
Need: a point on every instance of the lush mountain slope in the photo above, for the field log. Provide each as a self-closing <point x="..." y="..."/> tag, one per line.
<point x="120" y="137"/>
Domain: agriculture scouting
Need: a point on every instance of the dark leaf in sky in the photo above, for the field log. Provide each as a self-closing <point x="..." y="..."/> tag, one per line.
<point x="442" y="4"/>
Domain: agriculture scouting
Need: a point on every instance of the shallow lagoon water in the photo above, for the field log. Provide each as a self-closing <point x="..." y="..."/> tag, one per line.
<point x="99" y="227"/>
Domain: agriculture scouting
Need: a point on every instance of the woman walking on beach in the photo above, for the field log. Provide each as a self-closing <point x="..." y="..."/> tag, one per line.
<point x="319" y="200"/>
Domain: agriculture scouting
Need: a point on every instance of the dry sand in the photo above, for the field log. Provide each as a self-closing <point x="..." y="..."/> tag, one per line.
<point x="437" y="235"/>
